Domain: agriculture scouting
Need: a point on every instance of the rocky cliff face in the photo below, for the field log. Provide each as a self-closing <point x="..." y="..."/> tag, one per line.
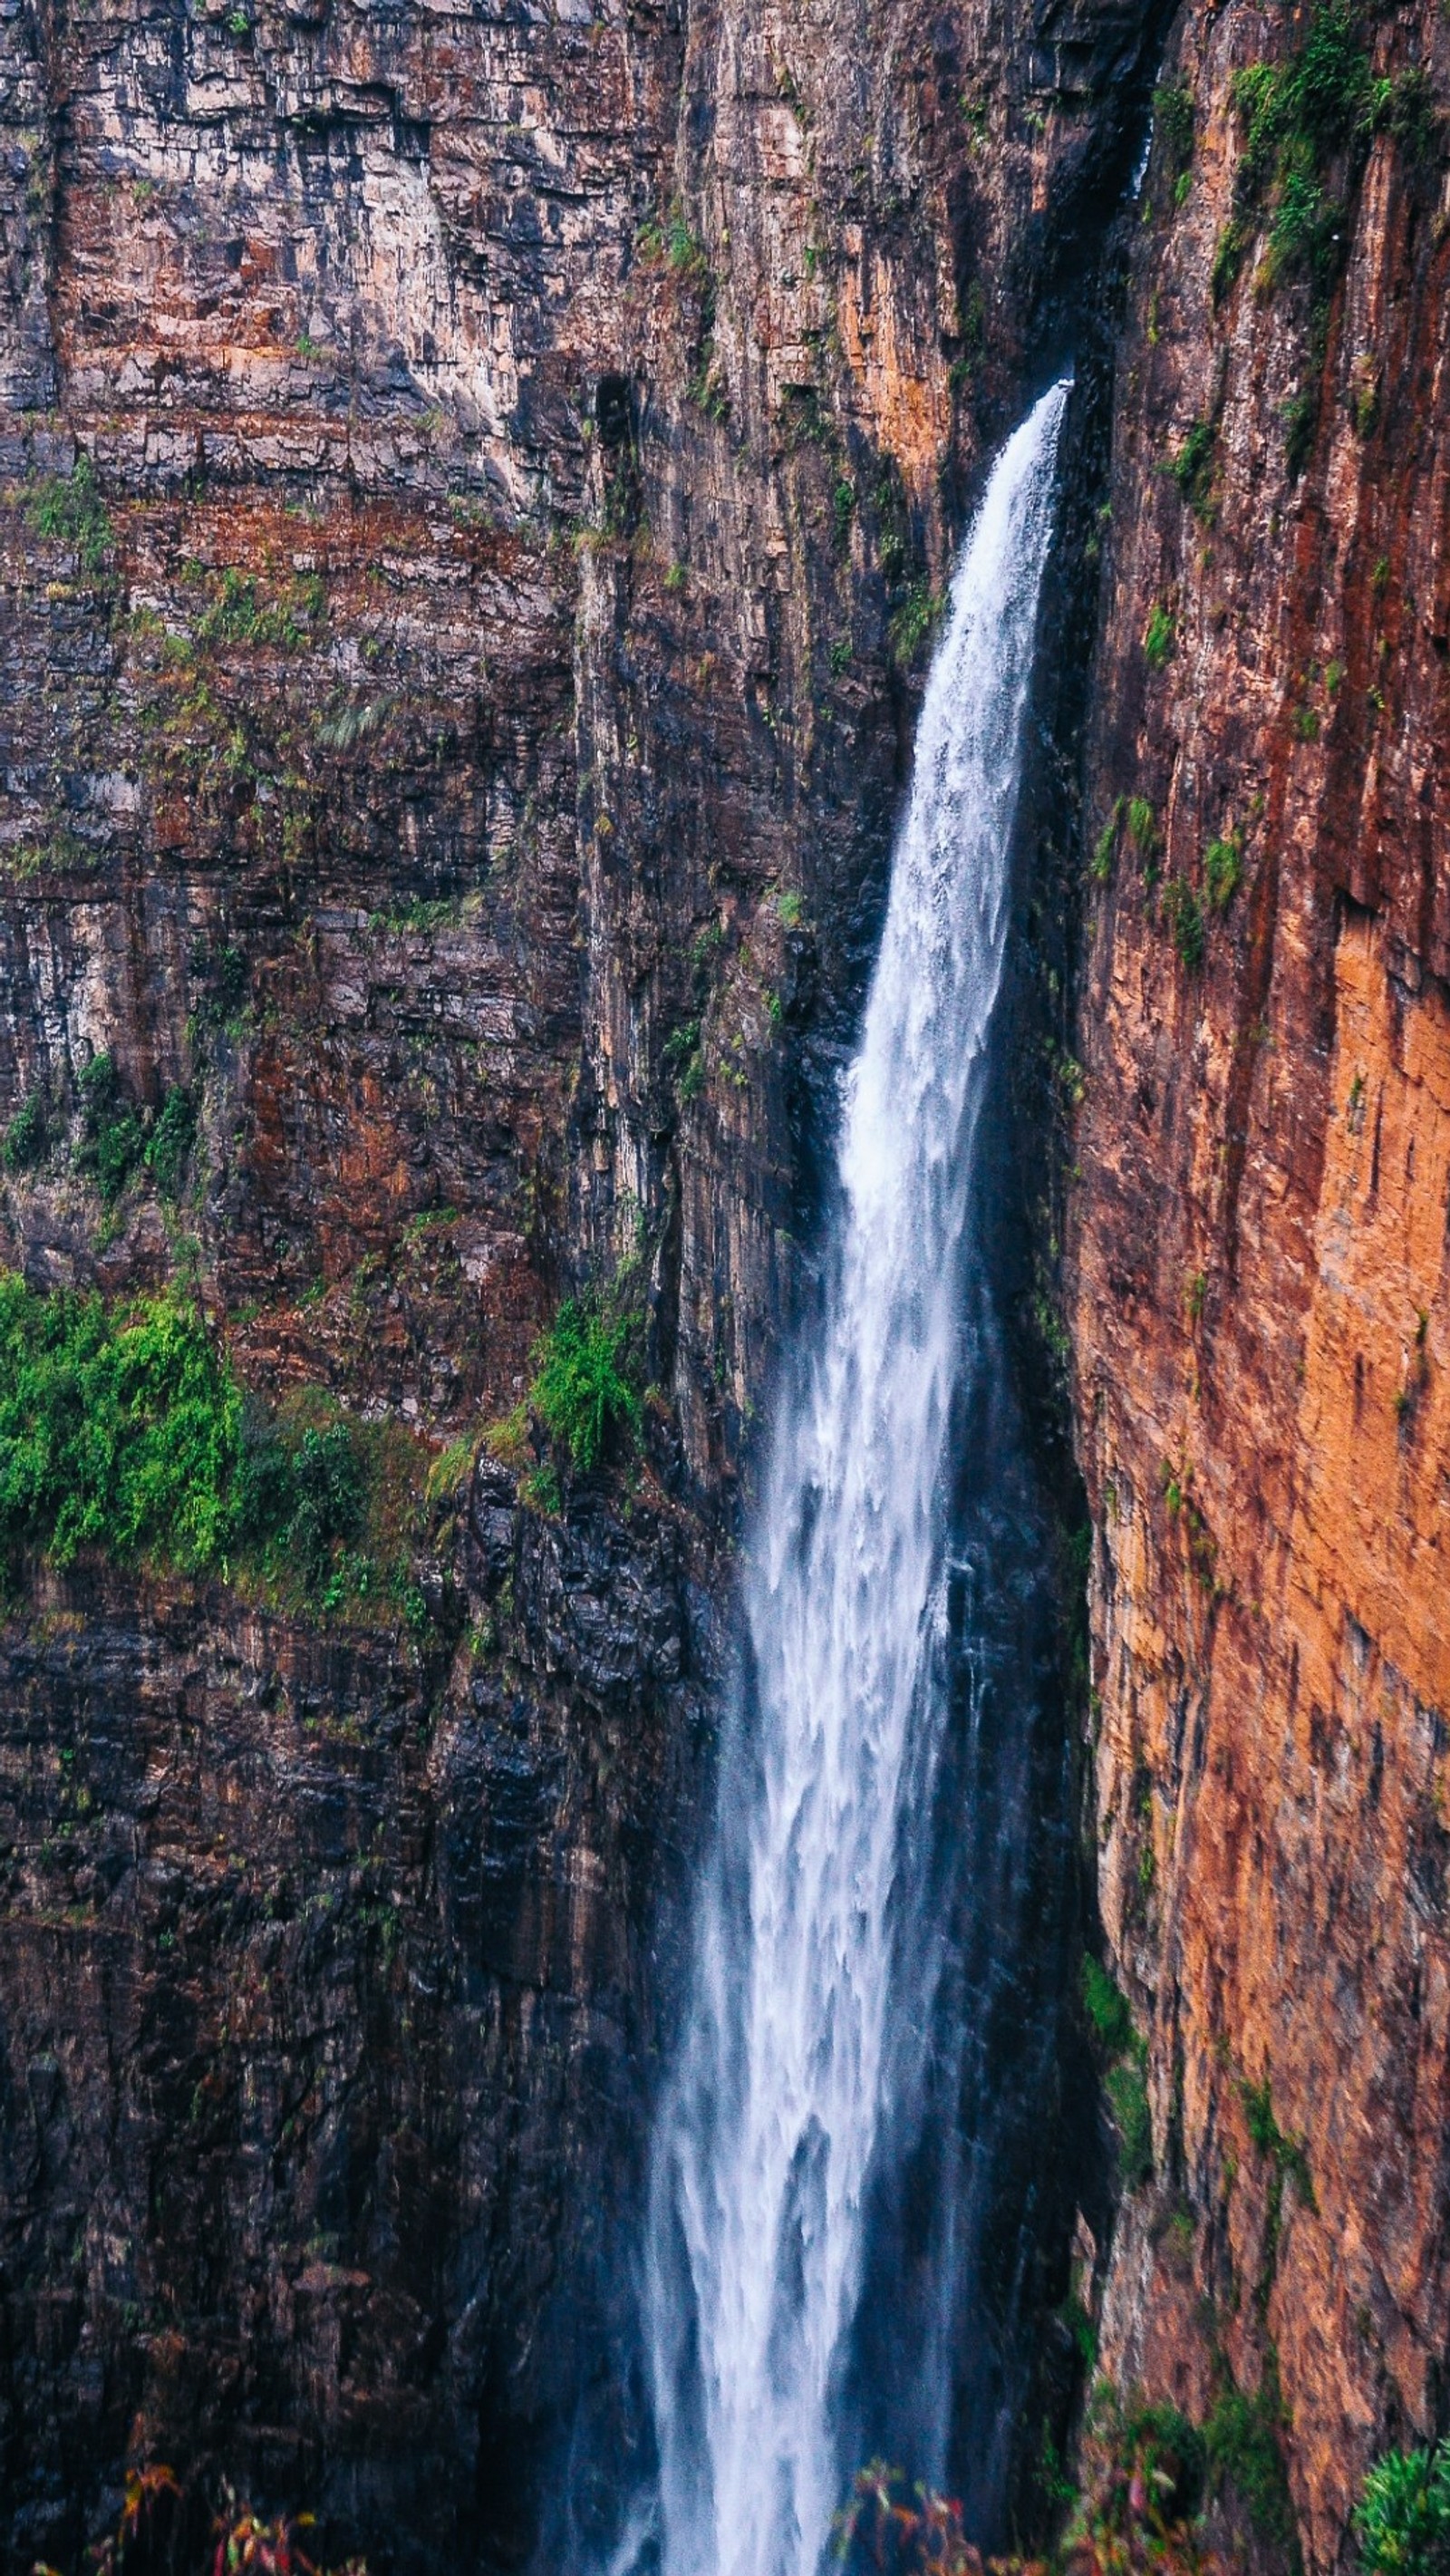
<point x="325" y="2005"/>
<point x="1259" y="1304"/>
<point x="475" y="483"/>
<point x="474" y="486"/>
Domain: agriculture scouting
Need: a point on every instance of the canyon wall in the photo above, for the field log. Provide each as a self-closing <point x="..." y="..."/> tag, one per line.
<point x="476" y="485"/>
<point x="1260" y="1302"/>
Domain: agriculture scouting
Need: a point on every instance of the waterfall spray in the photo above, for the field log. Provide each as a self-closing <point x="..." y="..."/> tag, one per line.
<point x="815" y="1951"/>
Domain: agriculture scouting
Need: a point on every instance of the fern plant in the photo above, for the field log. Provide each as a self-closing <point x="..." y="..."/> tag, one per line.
<point x="1402" y="2519"/>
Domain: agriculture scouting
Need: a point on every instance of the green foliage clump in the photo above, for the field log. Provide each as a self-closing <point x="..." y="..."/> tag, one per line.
<point x="1106" y="2007"/>
<point x="170" y="1141"/>
<point x="1327" y="86"/>
<point x="1241" y="2438"/>
<point x="1306" y="124"/>
<point x="1183" y="914"/>
<point x="1158" y="636"/>
<point x="28" y="1134"/>
<point x="1192" y="469"/>
<point x="1123" y="2054"/>
<point x="1223" y="870"/>
<point x="1286" y="2154"/>
<point x="68" y="509"/>
<point x="1143" y="833"/>
<point x="1228" y="258"/>
<point x="1405" y="106"/>
<point x="912" y="624"/>
<point x="301" y="1504"/>
<point x="684" y="1061"/>
<point x="237" y="614"/>
<point x="1402" y="2519"/>
<point x="1307" y="231"/>
<point x="1158" y="2441"/>
<point x="124" y="1428"/>
<point x="118" y="1430"/>
<point x="1173" y="128"/>
<point x="1127" y="2093"/>
<point x="1100" y="865"/>
<point x="112" y="1137"/>
<point x="684" y="254"/>
<point x="1300" y="416"/>
<point x="584" y="1389"/>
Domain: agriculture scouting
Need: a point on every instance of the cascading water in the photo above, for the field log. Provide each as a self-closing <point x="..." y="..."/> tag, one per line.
<point x="819" y="1948"/>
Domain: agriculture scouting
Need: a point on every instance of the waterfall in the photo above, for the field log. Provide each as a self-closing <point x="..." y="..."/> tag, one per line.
<point x="817" y="1945"/>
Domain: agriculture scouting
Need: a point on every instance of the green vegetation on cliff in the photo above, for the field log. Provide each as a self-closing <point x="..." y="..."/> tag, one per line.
<point x="584" y="1388"/>
<point x="113" y="1137"/>
<point x="116" y="1430"/>
<point x="1402" y="2520"/>
<point x="1307" y="124"/>
<point x="67" y="510"/>
<point x="1123" y="2056"/>
<point x="124" y="1428"/>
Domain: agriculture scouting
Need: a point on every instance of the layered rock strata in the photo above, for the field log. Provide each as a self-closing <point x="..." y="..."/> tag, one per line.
<point x="1260" y="1306"/>
<point x="476" y="485"/>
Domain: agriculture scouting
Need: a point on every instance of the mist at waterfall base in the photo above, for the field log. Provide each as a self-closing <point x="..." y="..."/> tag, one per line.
<point x="840" y="2233"/>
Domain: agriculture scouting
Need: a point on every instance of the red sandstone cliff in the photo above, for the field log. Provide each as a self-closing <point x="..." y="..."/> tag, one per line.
<point x="1260" y="1296"/>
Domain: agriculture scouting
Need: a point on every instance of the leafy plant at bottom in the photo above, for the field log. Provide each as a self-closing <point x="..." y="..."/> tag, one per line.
<point x="889" y="2528"/>
<point x="1402" y="2519"/>
<point x="1145" y="2466"/>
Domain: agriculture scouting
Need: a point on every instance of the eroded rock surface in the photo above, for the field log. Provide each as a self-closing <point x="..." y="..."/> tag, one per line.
<point x="1261" y="1309"/>
<point x="474" y="487"/>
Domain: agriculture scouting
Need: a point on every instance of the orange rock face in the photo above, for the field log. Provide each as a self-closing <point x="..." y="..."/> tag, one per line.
<point x="1261" y="1308"/>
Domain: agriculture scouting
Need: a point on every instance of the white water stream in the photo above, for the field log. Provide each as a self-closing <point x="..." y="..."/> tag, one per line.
<point x="794" y="2063"/>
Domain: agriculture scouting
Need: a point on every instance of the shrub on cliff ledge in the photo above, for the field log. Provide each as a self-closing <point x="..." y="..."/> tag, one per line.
<point x="68" y="510"/>
<point x="124" y="1428"/>
<point x="1243" y="2439"/>
<point x="116" y="1430"/>
<point x="585" y="1390"/>
<point x="1183" y="917"/>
